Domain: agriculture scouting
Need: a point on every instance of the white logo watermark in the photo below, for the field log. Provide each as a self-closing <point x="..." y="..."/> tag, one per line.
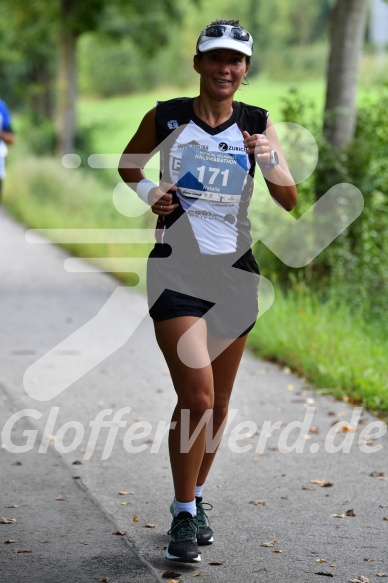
<point x="140" y="436"/>
<point x="295" y="241"/>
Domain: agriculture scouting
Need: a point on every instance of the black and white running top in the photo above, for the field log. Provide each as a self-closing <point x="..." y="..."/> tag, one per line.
<point x="214" y="175"/>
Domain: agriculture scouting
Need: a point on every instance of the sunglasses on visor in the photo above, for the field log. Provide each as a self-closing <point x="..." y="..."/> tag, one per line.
<point x="217" y="30"/>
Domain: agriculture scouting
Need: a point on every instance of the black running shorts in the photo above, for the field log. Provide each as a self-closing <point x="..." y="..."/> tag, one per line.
<point x="223" y="289"/>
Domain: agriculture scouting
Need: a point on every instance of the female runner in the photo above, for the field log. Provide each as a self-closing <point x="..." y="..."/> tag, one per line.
<point x="202" y="278"/>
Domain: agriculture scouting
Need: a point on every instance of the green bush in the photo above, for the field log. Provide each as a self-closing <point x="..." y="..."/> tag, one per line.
<point x="38" y="134"/>
<point x="356" y="263"/>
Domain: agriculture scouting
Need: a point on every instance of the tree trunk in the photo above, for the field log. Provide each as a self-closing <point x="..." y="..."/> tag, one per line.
<point x="347" y="33"/>
<point x="67" y="82"/>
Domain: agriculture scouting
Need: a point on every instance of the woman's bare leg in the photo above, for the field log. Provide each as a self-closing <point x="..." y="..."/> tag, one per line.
<point x="224" y="368"/>
<point x="195" y="391"/>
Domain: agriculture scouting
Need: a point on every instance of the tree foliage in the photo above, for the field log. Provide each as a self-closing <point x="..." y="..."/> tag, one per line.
<point x="157" y="33"/>
<point x="127" y="45"/>
<point x="27" y="52"/>
<point x="48" y="35"/>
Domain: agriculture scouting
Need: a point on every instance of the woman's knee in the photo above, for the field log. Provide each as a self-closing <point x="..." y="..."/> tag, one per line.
<point x="198" y="402"/>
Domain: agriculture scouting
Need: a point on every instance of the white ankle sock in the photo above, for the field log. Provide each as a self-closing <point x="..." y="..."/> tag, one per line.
<point x="184" y="507"/>
<point x="198" y="491"/>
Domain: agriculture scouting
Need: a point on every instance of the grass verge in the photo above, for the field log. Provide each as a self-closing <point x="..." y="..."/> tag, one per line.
<point x="338" y="352"/>
<point x="43" y="195"/>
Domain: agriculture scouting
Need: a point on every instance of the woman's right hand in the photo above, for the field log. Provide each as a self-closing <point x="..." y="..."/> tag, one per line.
<point x="160" y="199"/>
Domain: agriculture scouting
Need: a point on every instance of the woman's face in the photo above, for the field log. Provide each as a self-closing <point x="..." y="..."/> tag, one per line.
<point x="222" y="71"/>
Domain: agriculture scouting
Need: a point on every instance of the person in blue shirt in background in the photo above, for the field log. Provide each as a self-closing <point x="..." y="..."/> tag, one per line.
<point x="6" y="137"/>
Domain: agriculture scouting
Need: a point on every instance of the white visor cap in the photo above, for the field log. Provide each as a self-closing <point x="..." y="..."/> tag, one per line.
<point x="228" y="39"/>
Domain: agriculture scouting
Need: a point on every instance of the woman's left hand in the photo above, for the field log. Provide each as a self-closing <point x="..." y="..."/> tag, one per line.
<point x="258" y="145"/>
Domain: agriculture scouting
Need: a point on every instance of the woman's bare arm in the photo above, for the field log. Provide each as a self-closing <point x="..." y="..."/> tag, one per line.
<point x="279" y="180"/>
<point x="136" y="155"/>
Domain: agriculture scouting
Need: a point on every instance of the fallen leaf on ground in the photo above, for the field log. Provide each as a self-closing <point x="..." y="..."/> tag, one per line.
<point x="173" y="581"/>
<point x="277" y="551"/>
<point x="308" y="488"/>
<point x="149" y="525"/>
<point x="320" y="482"/>
<point x="360" y="579"/>
<point x="321" y="560"/>
<point x="22" y="550"/>
<point x="78" y="463"/>
<point x="16" y="463"/>
<point x="342" y="515"/>
<point x="350" y="512"/>
<point x="216" y="562"/>
<point x="197" y="574"/>
<point x="381" y="575"/>
<point x="270" y="543"/>
<point x="314" y="429"/>
<point x="347" y="427"/>
<point x="125" y="493"/>
<point x="383" y="505"/>
<point x="136" y="518"/>
<point x="257" y="502"/>
<point x="59" y="498"/>
<point x="385" y="517"/>
<point x="6" y="520"/>
<point x="325" y="573"/>
<point x="370" y="441"/>
<point x="124" y="503"/>
<point x="11" y="506"/>
<point x="104" y="579"/>
<point x="376" y="474"/>
<point x="10" y="541"/>
<point x="120" y="532"/>
<point x="168" y="574"/>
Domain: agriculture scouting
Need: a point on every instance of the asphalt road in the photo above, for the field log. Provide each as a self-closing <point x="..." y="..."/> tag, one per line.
<point x="68" y="483"/>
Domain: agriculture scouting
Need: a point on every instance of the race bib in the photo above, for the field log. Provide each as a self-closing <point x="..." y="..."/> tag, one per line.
<point x="214" y="176"/>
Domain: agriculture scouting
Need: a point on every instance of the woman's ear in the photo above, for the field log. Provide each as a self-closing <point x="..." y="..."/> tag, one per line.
<point x="196" y="61"/>
<point x="248" y="65"/>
